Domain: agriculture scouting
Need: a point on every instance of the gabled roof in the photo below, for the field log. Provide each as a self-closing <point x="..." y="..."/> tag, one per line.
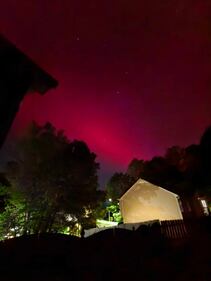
<point x="141" y="181"/>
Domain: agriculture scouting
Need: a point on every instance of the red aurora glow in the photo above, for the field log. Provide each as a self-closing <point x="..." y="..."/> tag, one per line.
<point x="134" y="76"/>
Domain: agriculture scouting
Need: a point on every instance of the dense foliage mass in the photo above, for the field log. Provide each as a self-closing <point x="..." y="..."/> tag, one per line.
<point x="53" y="184"/>
<point x="185" y="171"/>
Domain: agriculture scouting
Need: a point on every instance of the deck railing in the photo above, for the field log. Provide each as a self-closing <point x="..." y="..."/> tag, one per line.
<point x="174" y="229"/>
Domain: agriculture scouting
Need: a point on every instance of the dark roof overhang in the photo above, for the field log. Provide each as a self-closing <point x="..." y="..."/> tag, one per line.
<point x="18" y="76"/>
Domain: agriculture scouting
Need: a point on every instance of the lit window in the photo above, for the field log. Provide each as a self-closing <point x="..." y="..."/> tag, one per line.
<point x="204" y="203"/>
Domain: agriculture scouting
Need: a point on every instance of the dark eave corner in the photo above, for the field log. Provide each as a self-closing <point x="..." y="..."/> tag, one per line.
<point x="16" y="60"/>
<point x="18" y="76"/>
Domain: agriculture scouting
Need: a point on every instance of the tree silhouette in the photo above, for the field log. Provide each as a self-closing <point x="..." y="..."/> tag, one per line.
<point x="57" y="177"/>
<point x="118" y="184"/>
<point x="205" y="149"/>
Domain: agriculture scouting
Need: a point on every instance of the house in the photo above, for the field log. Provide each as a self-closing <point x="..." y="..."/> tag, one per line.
<point x="145" y="201"/>
<point x="195" y="206"/>
<point x="18" y="76"/>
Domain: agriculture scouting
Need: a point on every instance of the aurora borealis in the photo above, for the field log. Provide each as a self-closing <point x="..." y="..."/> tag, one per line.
<point x="134" y="76"/>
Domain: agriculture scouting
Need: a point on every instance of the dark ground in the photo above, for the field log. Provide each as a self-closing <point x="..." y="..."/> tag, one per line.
<point x="110" y="255"/>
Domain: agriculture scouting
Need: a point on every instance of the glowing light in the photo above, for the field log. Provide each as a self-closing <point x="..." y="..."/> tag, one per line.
<point x="87" y="213"/>
<point x="104" y="223"/>
<point x="204" y="203"/>
<point x="69" y="218"/>
<point x="205" y="207"/>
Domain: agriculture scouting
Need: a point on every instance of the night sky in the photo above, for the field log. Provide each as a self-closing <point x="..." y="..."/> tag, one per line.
<point x="134" y="75"/>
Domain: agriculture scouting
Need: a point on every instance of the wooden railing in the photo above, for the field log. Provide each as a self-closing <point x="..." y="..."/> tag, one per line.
<point x="179" y="229"/>
<point x="174" y="229"/>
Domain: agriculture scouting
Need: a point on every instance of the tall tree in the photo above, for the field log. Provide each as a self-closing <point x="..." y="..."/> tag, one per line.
<point x="135" y="168"/>
<point x="118" y="184"/>
<point x="57" y="177"/>
<point x="175" y="157"/>
<point x="205" y="149"/>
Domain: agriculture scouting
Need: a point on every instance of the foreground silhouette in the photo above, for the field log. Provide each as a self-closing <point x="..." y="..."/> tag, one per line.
<point x="144" y="254"/>
<point x="18" y="76"/>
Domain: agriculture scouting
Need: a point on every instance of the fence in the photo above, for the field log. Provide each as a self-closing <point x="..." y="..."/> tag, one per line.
<point x="174" y="229"/>
<point x="180" y="229"/>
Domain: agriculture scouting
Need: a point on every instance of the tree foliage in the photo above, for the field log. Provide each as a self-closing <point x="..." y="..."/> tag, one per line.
<point x="185" y="171"/>
<point x="205" y="150"/>
<point x="118" y="184"/>
<point x="12" y="217"/>
<point x="135" y="168"/>
<point x="57" y="179"/>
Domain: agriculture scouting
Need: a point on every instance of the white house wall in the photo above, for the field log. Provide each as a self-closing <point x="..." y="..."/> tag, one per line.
<point x="145" y="202"/>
